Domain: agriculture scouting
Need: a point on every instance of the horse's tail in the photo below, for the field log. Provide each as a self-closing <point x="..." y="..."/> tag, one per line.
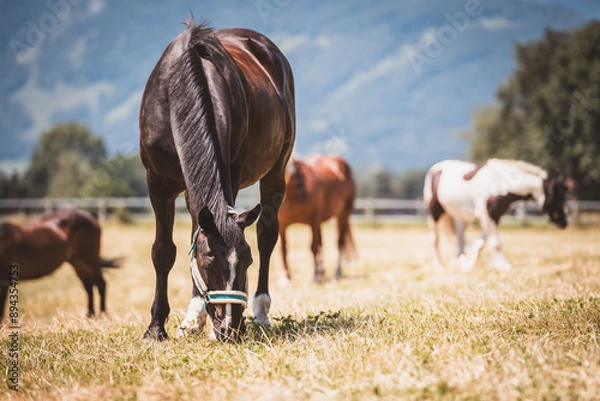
<point x="349" y="247"/>
<point x="110" y="263"/>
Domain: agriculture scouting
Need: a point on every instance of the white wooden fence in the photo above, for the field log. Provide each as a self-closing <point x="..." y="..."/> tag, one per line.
<point x="371" y="210"/>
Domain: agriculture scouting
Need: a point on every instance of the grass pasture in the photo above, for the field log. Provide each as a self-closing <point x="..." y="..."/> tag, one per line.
<point x="391" y="329"/>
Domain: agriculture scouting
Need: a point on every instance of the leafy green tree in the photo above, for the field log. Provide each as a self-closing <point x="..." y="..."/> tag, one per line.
<point x="62" y="141"/>
<point x="70" y="174"/>
<point x="130" y="169"/>
<point x="119" y="176"/>
<point x="549" y="109"/>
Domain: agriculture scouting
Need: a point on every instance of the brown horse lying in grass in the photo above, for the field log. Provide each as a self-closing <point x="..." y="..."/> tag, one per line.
<point x="38" y="249"/>
<point x="317" y="189"/>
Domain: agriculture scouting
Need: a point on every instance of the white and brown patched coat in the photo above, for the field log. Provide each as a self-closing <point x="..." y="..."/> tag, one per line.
<point x="456" y="193"/>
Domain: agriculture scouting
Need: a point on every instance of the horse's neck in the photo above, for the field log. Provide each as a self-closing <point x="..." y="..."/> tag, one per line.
<point x="512" y="179"/>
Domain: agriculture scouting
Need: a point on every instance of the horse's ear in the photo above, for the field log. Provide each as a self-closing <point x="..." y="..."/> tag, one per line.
<point x="246" y="219"/>
<point x="206" y="220"/>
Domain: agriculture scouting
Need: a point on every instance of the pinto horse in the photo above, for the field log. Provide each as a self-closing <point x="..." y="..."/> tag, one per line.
<point x="318" y="188"/>
<point x="457" y="193"/>
<point x="217" y="115"/>
<point x="39" y="248"/>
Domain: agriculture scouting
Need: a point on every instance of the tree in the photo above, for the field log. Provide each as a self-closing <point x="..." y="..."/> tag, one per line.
<point x="119" y="176"/>
<point x="55" y="152"/>
<point x="69" y="161"/>
<point x="11" y="186"/>
<point x="70" y="174"/>
<point x="549" y="109"/>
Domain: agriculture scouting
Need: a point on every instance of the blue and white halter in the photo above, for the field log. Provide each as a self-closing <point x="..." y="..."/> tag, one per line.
<point x="213" y="297"/>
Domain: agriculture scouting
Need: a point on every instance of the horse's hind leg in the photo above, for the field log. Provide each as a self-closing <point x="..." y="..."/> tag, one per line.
<point x="345" y="240"/>
<point x="162" y="195"/>
<point x="315" y="247"/>
<point x="101" y="285"/>
<point x="435" y="233"/>
<point x="283" y="239"/>
<point x="85" y="273"/>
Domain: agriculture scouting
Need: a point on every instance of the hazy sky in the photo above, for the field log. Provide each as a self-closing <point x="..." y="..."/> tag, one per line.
<point x="381" y="82"/>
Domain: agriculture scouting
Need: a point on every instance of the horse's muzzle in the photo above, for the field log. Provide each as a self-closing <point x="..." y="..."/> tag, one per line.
<point x="228" y="327"/>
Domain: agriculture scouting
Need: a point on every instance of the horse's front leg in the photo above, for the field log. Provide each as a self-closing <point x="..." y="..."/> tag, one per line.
<point x="499" y="261"/>
<point x="162" y="196"/>
<point x="195" y="318"/>
<point x="459" y="231"/>
<point x="467" y="262"/>
<point x="272" y="188"/>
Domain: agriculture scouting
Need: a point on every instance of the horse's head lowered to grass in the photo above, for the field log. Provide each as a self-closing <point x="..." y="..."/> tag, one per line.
<point x="555" y="199"/>
<point x="220" y="260"/>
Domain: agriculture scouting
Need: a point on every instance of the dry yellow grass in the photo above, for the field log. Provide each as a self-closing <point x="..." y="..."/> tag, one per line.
<point x="390" y="329"/>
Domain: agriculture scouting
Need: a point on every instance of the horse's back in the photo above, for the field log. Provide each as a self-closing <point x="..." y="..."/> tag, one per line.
<point x="266" y="57"/>
<point x="42" y="246"/>
<point x="252" y="90"/>
<point x="269" y="95"/>
<point x="37" y="248"/>
<point x="320" y="188"/>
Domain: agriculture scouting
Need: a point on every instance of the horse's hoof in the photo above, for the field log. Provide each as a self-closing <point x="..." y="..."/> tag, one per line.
<point x="185" y="332"/>
<point x="464" y="264"/>
<point x="262" y="306"/>
<point x="284" y="282"/>
<point x="500" y="263"/>
<point x="319" y="278"/>
<point x="188" y="328"/>
<point x="262" y="320"/>
<point x="156" y="335"/>
<point x="502" y="267"/>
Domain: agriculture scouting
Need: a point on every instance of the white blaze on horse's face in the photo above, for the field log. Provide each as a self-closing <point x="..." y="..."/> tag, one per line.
<point x="232" y="260"/>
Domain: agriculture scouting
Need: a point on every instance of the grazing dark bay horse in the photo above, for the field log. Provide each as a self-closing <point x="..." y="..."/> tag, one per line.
<point x="457" y="193"/>
<point x="319" y="188"/>
<point x="217" y="115"/>
<point x="39" y="248"/>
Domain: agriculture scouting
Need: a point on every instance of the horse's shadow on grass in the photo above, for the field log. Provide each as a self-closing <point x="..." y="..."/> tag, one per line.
<point x="289" y="328"/>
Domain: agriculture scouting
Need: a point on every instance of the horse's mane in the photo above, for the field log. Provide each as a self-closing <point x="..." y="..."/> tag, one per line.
<point x="525" y="167"/>
<point x="205" y="168"/>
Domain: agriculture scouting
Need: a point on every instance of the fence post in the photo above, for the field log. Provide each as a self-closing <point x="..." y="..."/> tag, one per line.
<point x="370" y="210"/>
<point x="574" y="206"/>
<point x="48" y="206"/>
<point x="101" y="209"/>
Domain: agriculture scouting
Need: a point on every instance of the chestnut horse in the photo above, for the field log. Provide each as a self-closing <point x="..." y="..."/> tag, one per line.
<point x="217" y="115"/>
<point x="39" y="248"/>
<point x="457" y="193"/>
<point x="319" y="188"/>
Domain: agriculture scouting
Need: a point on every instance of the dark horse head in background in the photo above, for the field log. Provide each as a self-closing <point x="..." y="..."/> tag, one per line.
<point x="555" y="192"/>
<point x="217" y="115"/>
